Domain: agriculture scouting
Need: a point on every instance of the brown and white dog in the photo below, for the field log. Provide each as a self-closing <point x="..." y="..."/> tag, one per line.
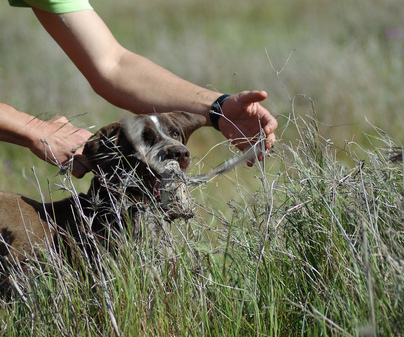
<point x="137" y="161"/>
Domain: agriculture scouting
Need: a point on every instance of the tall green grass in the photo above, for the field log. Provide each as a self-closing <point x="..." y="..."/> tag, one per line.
<point x="317" y="250"/>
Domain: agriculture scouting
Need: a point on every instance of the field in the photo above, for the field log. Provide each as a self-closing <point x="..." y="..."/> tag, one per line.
<point x="310" y="242"/>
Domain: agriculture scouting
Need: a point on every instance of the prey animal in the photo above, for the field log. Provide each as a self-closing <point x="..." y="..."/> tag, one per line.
<point x="136" y="162"/>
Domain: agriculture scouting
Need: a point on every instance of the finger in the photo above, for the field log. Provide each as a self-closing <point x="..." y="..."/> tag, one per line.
<point x="259" y="154"/>
<point x="252" y="96"/>
<point x="270" y="124"/>
<point x="251" y="162"/>
<point x="269" y="141"/>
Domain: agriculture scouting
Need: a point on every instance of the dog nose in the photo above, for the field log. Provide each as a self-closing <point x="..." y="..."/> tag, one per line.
<point x="179" y="153"/>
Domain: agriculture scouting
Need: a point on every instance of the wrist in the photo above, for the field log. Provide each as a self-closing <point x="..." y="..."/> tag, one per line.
<point x="30" y="131"/>
<point x="216" y="110"/>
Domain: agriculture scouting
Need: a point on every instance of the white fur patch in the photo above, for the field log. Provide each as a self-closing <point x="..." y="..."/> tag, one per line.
<point x="156" y="122"/>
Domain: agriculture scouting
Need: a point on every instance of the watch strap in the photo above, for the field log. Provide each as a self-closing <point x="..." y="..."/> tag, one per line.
<point x="216" y="111"/>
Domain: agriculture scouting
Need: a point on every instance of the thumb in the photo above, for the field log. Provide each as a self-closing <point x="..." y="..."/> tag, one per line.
<point x="248" y="97"/>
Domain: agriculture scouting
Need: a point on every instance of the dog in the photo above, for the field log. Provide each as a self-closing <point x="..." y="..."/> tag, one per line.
<point x="136" y="162"/>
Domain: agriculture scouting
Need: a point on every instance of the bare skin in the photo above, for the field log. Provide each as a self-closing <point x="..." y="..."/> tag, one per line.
<point x="54" y="141"/>
<point x="130" y="82"/>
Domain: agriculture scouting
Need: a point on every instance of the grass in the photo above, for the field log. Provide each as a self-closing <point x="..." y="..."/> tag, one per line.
<point x="310" y="243"/>
<point x="317" y="250"/>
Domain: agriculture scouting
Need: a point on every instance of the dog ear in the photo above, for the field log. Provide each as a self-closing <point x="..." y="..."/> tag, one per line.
<point x="187" y="122"/>
<point x="103" y="146"/>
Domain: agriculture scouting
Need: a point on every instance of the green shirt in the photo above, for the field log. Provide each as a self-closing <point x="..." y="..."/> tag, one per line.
<point x="53" y="6"/>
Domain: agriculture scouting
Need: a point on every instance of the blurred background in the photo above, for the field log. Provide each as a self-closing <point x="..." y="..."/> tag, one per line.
<point x="345" y="56"/>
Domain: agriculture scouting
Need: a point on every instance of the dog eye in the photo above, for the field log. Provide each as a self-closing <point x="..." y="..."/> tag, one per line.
<point x="175" y="135"/>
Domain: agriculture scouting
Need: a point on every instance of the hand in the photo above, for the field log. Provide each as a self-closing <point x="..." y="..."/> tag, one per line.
<point x="243" y="118"/>
<point x="60" y="143"/>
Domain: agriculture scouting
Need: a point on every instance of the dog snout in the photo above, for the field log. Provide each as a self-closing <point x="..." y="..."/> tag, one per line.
<point x="180" y="154"/>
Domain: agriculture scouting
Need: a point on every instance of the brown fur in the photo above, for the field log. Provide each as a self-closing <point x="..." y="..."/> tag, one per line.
<point x="114" y="151"/>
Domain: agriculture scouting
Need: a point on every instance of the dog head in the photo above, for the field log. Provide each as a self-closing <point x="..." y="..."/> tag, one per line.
<point x="143" y="144"/>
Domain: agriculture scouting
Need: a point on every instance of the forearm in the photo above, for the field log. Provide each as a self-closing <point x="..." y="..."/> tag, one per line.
<point x="125" y="79"/>
<point x="15" y="126"/>
<point x="54" y="141"/>
<point x="141" y="86"/>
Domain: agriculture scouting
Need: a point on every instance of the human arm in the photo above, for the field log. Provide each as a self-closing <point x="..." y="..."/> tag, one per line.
<point x="55" y="141"/>
<point x="134" y="83"/>
<point x="125" y="79"/>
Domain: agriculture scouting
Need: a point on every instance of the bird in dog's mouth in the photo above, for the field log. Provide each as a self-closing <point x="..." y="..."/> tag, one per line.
<point x="168" y="183"/>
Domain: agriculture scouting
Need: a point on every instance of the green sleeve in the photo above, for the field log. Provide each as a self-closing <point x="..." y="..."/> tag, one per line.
<point x="53" y="6"/>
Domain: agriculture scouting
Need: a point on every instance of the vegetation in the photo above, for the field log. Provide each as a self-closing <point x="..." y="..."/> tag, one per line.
<point x="318" y="250"/>
<point x="308" y="243"/>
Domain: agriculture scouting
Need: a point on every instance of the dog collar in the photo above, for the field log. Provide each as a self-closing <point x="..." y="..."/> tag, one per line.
<point x="216" y="111"/>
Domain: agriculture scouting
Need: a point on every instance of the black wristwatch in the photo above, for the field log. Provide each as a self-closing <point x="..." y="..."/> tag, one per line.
<point x="216" y="111"/>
